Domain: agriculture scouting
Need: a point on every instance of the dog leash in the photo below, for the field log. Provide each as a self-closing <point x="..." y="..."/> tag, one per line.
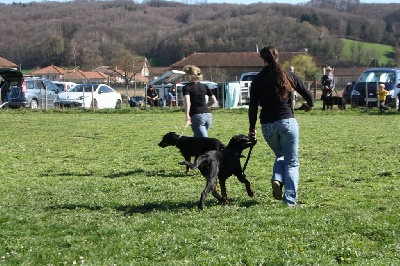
<point x="184" y="129"/>
<point x="254" y="141"/>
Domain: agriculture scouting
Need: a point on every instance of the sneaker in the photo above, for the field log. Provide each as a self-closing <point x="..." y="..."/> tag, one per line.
<point x="276" y="190"/>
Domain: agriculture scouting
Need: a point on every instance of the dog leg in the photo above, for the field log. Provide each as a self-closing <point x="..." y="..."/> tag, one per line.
<point x="249" y="189"/>
<point x="210" y="185"/>
<point x="218" y="196"/>
<point x="224" y="198"/>
<point x="187" y="158"/>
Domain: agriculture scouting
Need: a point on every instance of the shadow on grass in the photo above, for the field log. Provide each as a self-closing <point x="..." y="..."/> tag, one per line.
<point x="73" y="207"/>
<point x="151" y="173"/>
<point x="156" y="206"/>
<point x="174" y="206"/>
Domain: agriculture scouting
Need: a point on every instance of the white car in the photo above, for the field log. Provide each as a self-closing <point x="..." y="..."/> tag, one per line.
<point x="97" y="96"/>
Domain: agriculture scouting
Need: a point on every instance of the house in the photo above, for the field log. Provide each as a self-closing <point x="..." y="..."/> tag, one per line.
<point x="138" y="73"/>
<point x="233" y="63"/>
<point x="52" y="73"/>
<point x="79" y="76"/>
<point x="156" y="72"/>
<point x="4" y="63"/>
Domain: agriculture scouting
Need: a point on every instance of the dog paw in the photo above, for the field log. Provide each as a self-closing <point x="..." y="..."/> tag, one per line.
<point x="250" y="192"/>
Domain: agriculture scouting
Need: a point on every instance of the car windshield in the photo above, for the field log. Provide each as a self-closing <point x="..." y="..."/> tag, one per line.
<point x="248" y="78"/>
<point x="377" y="76"/>
<point x="84" y="88"/>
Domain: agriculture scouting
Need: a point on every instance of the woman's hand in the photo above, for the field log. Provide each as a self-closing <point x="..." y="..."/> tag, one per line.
<point x="252" y="136"/>
<point x="307" y="107"/>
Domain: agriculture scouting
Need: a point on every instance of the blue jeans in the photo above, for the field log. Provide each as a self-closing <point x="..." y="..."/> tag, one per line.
<point x="200" y="124"/>
<point x="283" y="138"/>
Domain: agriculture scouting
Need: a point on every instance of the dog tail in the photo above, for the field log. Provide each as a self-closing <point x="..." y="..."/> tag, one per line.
<point x="191" y="165"/>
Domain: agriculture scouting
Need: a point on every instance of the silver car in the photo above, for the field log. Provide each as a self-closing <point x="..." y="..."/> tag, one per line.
<point x="29" y="92"/>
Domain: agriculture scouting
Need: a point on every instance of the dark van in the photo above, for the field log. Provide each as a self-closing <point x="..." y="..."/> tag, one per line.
<point x="364" y="91"/>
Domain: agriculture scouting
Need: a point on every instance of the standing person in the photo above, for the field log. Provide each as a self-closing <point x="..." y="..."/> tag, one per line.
<point x="328" y="85"/>
<point x="382" y="97"/>
<point x="271" y="89"/>
<point x="196" y="109"/>
<point x="291" y="69"/>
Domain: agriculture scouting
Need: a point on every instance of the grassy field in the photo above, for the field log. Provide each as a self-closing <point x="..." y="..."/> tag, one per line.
<point x="87" y="188"/>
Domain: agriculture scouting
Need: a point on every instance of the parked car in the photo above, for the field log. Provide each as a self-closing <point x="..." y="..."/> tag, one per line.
<point x="28" y="92"/>
<point x="9" y="78"/>
<point x="97" y="96"/>
<point x="65" y="85"/>
<point x="367" y="85"/>
<point x="245" y="82"/>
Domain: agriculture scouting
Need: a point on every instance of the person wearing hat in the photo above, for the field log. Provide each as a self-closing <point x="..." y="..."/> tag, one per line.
<point x="198" y="115"/>
<point x="328" y="84"/>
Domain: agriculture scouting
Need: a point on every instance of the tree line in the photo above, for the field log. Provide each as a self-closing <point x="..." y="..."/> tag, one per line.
<point x="88" y="34"/>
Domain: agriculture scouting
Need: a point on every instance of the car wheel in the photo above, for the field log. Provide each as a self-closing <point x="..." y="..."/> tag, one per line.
<point x="34" y="104"/>
<point x="118" y="105"/>
<point x="95" y="105"/>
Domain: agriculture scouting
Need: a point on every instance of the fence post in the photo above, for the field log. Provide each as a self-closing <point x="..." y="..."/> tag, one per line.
<point x="315" y="87"/>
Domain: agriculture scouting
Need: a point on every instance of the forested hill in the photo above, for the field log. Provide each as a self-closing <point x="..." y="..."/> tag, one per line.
<point x="92" y="33"/>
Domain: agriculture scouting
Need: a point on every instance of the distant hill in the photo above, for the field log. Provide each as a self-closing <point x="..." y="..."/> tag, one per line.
<point x="385" y="53"/>
<point x="88" y="34"/>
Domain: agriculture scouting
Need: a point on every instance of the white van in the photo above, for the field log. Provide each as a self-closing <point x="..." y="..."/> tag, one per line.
<point x="245" y="82"/>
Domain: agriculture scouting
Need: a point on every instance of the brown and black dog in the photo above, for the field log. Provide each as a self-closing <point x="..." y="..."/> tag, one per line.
<point x="190" y="146"/>
<point x="222" y="164"/>
<point x="330" y="101"/>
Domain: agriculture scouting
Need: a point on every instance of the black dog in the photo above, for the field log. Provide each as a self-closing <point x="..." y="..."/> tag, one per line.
<point x="222" y="164"/>
<point x="330" y="101"/>
<point x="190" y="146"/>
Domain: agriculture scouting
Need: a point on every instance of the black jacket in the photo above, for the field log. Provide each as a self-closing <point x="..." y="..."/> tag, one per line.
<point x="262" y="93"/>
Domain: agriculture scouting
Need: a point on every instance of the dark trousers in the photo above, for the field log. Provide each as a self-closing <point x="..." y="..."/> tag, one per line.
<point x="155" y="102"/>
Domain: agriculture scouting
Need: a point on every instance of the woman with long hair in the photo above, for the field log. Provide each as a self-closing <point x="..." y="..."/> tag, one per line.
<point x="197" y="112"/>
<point x="272" y="89"/>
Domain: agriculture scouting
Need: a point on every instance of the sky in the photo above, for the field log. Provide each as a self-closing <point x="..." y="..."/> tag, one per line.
<point x="225" y="1"/>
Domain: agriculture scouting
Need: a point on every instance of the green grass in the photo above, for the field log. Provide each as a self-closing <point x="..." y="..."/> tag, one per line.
<point x="386" y="52"/>
<point x="95" y="189"/>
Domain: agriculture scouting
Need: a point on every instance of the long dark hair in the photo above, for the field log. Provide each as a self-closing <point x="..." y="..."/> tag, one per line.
<point x="283" y="83"/>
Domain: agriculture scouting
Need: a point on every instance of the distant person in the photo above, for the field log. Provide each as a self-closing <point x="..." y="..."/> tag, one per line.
<point x="398" y="97"/>
<point x="328" y="85"/>
<point x="171" y="100"/>
<point x="291" y="69"/>
<point x="152" y="96"/>
<point x="382" y="93"/>
<point x="196" y="109"/>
